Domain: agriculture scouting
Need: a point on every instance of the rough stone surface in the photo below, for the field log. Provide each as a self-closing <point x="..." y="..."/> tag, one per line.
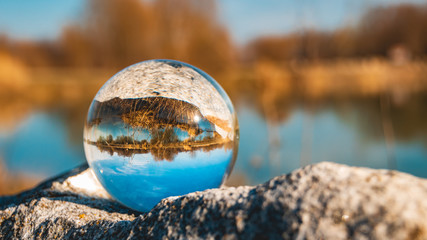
<point x="322" y="201"/>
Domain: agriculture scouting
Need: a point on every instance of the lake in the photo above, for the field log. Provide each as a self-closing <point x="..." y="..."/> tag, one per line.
<point x="358" y="133"/>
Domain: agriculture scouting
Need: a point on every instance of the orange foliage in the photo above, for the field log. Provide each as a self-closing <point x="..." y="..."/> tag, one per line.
<point x="119" y="33"/>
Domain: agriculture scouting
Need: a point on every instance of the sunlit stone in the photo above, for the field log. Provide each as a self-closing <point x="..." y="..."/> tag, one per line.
<point x="160" y="128"/>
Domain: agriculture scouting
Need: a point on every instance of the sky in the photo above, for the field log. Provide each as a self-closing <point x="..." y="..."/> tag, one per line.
<point x="41" y="19"/>
<point x="245" y="19"/>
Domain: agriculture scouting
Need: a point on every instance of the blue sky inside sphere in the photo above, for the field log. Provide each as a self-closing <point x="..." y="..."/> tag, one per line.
<point x="245" y="19"/>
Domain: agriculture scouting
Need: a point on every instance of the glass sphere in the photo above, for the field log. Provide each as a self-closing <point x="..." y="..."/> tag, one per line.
<point x="160" y="128"/>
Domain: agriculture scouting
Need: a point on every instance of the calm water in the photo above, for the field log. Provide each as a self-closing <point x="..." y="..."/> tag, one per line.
<point x="41" y="145"/>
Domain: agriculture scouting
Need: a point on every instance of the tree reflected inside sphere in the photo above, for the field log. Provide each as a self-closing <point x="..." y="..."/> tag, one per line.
<point x="160" y="128"/>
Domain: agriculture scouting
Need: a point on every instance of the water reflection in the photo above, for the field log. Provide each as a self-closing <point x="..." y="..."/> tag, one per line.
<point x="350" y="133"/>
<point x="39" y="147"/>
<point x="345" y="132"/>
<point x="128" y="147"/>
<point x="161" y="126"/>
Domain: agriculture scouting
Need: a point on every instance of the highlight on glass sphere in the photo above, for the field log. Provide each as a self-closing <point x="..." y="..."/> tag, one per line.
<point x="160" y="128"/>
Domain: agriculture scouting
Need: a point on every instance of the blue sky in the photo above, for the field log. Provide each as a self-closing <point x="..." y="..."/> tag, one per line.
<point x="251" y="18"/>
<point x="41" y="19"/>
<point x="245" y="19"/>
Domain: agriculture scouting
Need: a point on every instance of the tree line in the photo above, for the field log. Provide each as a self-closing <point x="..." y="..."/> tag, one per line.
<point x="379" y="31"/>
<point x="117" y="33"/>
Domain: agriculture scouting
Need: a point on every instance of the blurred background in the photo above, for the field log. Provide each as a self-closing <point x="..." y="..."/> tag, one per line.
<point x="342" y="81"/>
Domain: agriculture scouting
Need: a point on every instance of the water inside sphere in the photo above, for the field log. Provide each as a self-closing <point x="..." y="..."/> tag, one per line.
<point x="160" y="128"/>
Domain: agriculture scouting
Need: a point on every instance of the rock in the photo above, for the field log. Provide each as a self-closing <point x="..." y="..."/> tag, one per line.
<point x="321" y="201"/>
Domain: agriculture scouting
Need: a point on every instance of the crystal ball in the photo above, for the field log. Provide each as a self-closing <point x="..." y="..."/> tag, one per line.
<point x="160" y="128"/>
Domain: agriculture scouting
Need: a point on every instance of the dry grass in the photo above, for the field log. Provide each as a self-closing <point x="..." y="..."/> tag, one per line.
<point x="361" y="78"/>
<point x="13" y="74"/>
<point x="69" y="89"/>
